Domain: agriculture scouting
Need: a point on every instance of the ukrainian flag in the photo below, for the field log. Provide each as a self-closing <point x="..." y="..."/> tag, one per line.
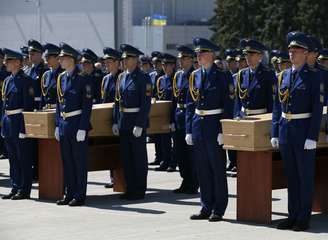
<point x="158" y="20"/>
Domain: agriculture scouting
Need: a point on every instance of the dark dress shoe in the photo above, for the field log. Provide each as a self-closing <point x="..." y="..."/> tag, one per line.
<point x="301" y="226"/>
<point x="8" y="196"/>
<point x="154" y="163"/>
<point x="286" y="224"/>
<point x="199" y="216"/>
<point x="161" y="169"/>
<point x="76" y="203"/>
<point x="191" y="191"/>
<point x="215" y="218"/>
<point x="179" y="190"/>
<point x="20" y="196"/>
<point x="124" y="196"/>
<point x="64" y="201"/>
<point x="170" y="169"/>
<point x="109" y="185"/>
<point x="135" y="196"/>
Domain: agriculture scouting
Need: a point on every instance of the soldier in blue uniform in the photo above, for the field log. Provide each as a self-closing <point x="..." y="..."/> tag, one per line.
<point x="145" y="64"/>
<point x="164" y="91"/>
<point x="3" y="74"/>
<point x="112" y="60"/>
<point x="255" y="83"/>
<point x="323" y="57"/>
<point x="17" y="96"/>
<point x="36" y="71"/>
<point x="296" y="122"/>
<point x="89" y="58"/>
<point x="49" y="78"/>
<point x="26" y="61"/>
<point x="210" y="98"/>
<point x="283" y="61"/>
<point x="132" y="106"/>
<point x="231" y="55"/>
<point x="154" y="75"/>
<point x="240" y="58"/>
<point x="183" y="152"/>
<point x="75" y="96"/>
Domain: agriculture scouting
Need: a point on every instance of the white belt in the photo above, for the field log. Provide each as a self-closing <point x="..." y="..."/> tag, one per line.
<point x="253" y="111"/>
<point x="65" y="115"/>
<point x="129" y="110"/>
<point x="181" y="106"/>
<point x="291" y="116"/>
<point x="13" y="112"/>
<point x="37" y="99"/>
<point x="208" y="112"/>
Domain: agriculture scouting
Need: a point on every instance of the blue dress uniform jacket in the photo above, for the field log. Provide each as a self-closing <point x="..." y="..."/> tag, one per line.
<point x="74" y="93"/>
<point x="133" y="92"/>
<point x="49" y="87"/>
<point x="17" y="93"/>
<point x="36" y="72"/>
<point x="303" y="97"/>
<point x="214" y="92"/>
<point x="210" y="91"/>
<point x="108" y="88"/>
<point x="254" y="90"/>
<point x="97" y="76"/>
<point x="299" y="96"/>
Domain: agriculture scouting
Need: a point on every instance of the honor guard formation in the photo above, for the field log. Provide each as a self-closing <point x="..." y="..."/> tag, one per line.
<point x="203" y="89"/>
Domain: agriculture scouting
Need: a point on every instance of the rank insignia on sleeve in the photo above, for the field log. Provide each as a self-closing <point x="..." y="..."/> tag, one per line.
<point x="31" y="91"/>
<point x="88" y="91"/>
<point x="148" y="90"/>
<point x="322" y="88"/>
<point x="231" y="89"/>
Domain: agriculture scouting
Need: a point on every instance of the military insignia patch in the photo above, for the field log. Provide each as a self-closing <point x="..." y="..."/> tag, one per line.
<point x="88" y="91"/>
<point x="148" y="90"/>
<point x="231" y="88"/>
<point x="322" y="88"/>
<point x="31" y="91"/>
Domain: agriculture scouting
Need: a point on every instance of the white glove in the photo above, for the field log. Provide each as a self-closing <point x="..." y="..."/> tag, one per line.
<point x="21" y="135"/>
<point x="137" y="131"/>
<point x="188" y="139"/>
<point x="220" y="139"/>
<point x="172" y="127"/>
<point x="57" y="133"/>
<point x="115" y="130"/>
<point x="80" y="136"/>
<point x="310" y="144"/>
<point x="275" y="142"/>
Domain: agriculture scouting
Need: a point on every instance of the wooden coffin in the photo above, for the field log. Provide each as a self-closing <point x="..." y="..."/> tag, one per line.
<point x="254" y="133"/>
<point x="41" y="124"/>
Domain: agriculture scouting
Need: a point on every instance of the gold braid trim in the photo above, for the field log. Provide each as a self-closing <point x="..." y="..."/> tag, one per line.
<point x="3" y="89"/>
<point x="43" y="89"/>
<point x="242" y="93"/>
<point x="60" y="93"/>
<point x="102" y="89"/>
<point x="283" y="96"/>
<point x="160" y="92"/>
<point x="193" y="92"/>
<point x="176" y="91"/>
<point x="117" y="91"/>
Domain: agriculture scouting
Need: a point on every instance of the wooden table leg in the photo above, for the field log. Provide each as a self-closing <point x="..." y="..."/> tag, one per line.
<point x="51" y="180"/>
<point x="254" y="186"/>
